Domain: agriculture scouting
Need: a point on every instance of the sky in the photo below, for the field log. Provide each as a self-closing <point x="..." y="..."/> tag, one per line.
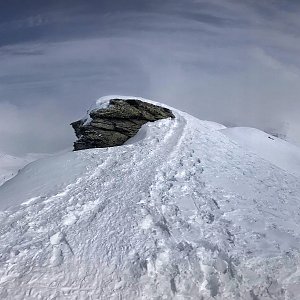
<point x="230" y="61"/>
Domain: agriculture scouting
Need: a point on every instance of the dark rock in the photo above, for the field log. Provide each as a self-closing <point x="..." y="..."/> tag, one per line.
<point x="114" y="125"/>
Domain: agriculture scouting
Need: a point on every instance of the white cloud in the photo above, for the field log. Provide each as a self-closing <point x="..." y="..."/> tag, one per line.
<point x="244" y="72"/>
<point x="41" y="128"/>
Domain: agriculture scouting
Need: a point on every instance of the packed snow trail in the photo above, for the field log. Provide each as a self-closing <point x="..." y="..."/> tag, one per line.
<point x="180" y="213"/>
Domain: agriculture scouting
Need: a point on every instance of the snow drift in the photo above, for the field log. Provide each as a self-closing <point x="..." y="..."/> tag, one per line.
<point x="179" y="212"/>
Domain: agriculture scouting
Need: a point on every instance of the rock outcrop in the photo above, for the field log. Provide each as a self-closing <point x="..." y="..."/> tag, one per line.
<point x="114" y="125"/>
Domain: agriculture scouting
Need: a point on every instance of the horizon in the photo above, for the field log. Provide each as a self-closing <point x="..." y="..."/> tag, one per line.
<point x="225" y="61"/>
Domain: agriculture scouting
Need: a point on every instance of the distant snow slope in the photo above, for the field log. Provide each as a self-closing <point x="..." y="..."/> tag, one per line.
<point x="277" y="151"/>
<point x="10" y="165"/>
<point x="181" y="212"/>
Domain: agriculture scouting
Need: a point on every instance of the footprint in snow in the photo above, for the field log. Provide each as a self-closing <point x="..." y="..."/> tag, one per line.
<point x="57" y="255"/>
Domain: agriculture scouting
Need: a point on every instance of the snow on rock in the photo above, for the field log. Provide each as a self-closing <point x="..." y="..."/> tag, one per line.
<point x="182" y="212"/>
<point x="103" y="102"/>
<point x="277" y="151"/>
<point x="114" y="125"/>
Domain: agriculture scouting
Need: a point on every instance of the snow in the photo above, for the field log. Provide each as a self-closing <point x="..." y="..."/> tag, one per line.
<point x="103" y="102"/>
<point x="277" y="151"/>
<point x="180" y="212"/>
<point x="10" y="165"/>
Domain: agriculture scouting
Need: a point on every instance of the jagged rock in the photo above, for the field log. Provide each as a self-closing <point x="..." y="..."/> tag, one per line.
<point x="114" y="125"/>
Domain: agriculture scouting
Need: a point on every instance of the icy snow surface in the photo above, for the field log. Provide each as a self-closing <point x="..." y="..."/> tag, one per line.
<point x="180" y="212"/>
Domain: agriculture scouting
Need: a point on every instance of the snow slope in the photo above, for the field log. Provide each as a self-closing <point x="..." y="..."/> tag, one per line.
<point x="277" y="151"/>
<point x="180" y="212"/>
<point x="10" y="165"/>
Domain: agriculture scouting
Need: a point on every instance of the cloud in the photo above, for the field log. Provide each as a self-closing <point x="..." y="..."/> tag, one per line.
<point x="228" y="61"/>
<point x="287" y="70"/>
<point x="31" y="129"/>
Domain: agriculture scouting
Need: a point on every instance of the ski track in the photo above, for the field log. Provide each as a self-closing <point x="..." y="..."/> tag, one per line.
<point x="175" y="226"/>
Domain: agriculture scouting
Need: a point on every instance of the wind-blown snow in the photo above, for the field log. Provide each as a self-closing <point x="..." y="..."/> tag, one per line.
<point x="181" y="212"/>
<point x="277" y="151"/>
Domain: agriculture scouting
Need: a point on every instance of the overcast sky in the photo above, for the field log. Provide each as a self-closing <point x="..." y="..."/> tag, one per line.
<point x="231" y="61"/>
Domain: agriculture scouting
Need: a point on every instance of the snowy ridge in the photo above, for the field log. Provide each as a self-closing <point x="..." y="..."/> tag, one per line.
<point x="181" y="212"/>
